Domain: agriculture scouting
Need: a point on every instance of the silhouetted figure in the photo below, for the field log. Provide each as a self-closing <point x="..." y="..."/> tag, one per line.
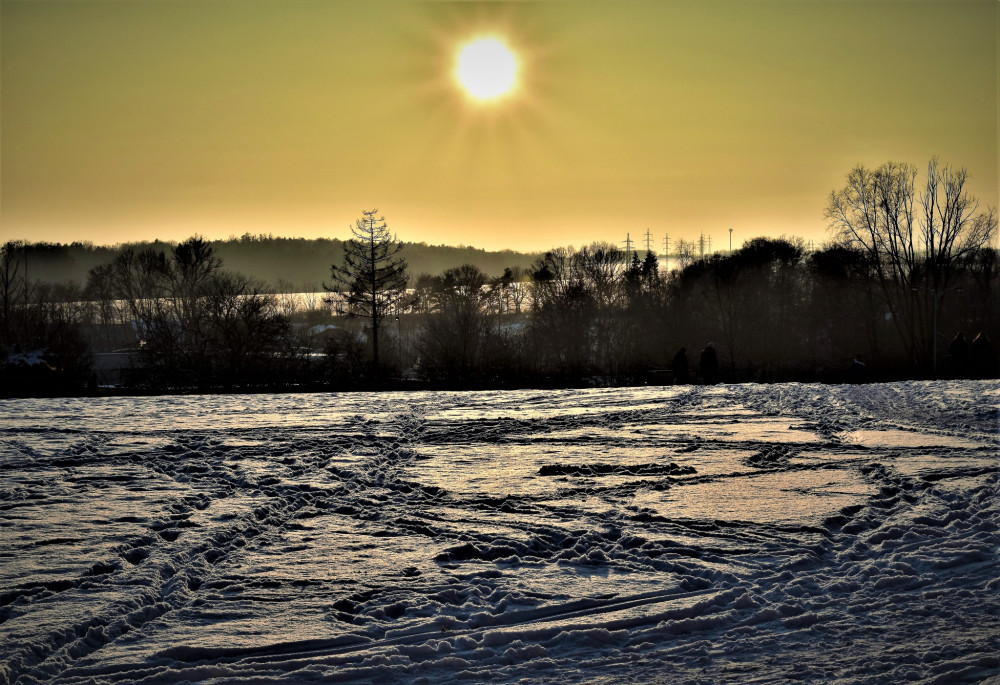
<point x="959" y="351"/>
<point x="984" y="359"/>
<point x="680" y="367"/>
<point x="709" y="364"/>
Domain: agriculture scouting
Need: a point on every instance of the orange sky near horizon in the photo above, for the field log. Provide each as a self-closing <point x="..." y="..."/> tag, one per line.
<point x="126" y="121"/>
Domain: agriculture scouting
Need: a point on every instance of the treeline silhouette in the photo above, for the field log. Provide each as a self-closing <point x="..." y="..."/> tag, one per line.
<point x="281" y="264"/>
<point x="773" y="312"/>
<point x="172" y="318"/>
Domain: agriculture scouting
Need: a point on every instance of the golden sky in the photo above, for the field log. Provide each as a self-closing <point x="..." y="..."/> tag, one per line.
<point x="139" y="119"/>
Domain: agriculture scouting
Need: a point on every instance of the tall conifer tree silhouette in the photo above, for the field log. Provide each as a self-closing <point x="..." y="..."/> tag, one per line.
<point x="372" y="279"/>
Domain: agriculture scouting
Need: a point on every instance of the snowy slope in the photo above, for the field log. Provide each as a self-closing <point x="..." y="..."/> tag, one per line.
<point x="683" y="534"/>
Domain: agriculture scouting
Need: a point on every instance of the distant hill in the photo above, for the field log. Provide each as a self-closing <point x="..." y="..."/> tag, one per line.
<point x="287" y="264"/>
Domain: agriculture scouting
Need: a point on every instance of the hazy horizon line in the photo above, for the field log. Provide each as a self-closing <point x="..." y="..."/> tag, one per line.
<point x="461" y="246"/>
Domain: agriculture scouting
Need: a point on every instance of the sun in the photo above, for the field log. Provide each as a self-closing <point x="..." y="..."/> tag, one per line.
<point x="486" y="69"/>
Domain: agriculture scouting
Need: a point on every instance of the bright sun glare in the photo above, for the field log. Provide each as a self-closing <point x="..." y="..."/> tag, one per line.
<point x="486" y="69"/>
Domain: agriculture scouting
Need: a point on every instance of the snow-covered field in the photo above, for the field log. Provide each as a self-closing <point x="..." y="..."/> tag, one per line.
<point x="683" y="534"/>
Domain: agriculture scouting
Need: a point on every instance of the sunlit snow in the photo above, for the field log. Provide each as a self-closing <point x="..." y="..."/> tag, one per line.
<point x="670" y="534"/>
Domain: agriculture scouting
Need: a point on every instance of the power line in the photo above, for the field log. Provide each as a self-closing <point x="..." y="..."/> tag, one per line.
<point x="628" y="248"/>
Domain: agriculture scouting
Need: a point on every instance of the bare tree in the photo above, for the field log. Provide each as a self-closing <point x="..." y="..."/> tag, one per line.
<point x="285" y="293"/>
<point x="12" y="286"/>
<point x="552" y="276"/>
<point x="916" y="241"/>
<point x="519" y="286"/>
<point x="191" y="271"/>
<point x="373" y="276"/>
<point x="601" y="267"/>
<point x="101" y="292"/>
<point x="140" y="281"/>
<point x="196" y="323"/>
<point x="463" y="331"/>
<point x="243" y="325"/>
<point x="685" y="252"/>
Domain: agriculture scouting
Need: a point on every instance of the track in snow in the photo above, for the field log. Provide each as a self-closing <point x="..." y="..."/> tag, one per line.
<point x="718" y="534"/>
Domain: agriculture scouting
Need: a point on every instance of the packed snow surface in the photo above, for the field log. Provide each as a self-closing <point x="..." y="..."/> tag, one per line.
<point x="733" y="533"/>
